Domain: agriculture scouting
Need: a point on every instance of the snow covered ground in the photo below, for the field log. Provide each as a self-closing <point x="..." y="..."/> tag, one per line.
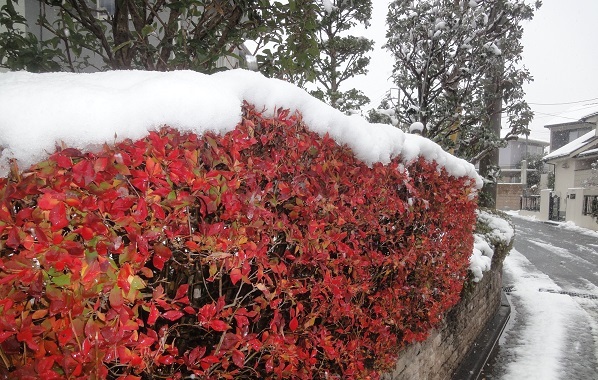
<point x="553" y="331"/>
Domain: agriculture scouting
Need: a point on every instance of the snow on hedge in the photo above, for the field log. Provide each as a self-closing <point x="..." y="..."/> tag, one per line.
<point x="38" y="111"/>
<point x="501" y="232"/>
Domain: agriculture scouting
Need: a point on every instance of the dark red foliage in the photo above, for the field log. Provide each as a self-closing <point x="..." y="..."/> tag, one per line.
<point x="268" y="252"/>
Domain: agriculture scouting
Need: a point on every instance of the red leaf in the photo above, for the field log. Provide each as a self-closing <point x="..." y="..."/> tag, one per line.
<point x="85" y="232"/>
<point x="196" y="353"/>
<point x="141" y="212"/>
<point x="158" y="211"/>
<point x="218" y="325"/>
<point x="208" y="361"/>
<point x="101" y="164"/>
<point x="62" y="160"/>
<point x="58" y="217"/>
<point x="153" y="315"/>
<point x="173" y="315"/>
<point x="83" y="172"/>
<point x="293" y="324"/>
<point x="238" y="358"/>
<point x="181" y="292"/>
<point x="235" y="275"/>
<point x="161" y="255"/>
<point x="47" y="202"/>
<point x="116" y="297"/>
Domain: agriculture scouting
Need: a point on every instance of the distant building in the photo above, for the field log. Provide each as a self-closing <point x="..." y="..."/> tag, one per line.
<point x="510" y="188"/>
<point x="510" y="157"/>
<point x="563" y="133"/>
<point x="575" y="193"/>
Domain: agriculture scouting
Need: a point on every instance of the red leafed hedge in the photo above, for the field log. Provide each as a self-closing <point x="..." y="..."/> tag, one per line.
<point x="268" y="252"/>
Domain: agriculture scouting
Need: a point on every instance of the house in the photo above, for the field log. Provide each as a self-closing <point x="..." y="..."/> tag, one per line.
<point x="575" y="190"/>
<point x="510" y="185"/>
<point x="510" y="157"/>
<point x="562" y="133"/>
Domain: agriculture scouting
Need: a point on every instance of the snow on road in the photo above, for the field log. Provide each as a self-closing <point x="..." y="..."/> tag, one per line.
<point x="553" y="331"/>
<point x="535" y="352"/>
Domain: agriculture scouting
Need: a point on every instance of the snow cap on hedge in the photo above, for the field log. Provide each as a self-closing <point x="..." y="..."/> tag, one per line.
<point x="38" y="111"/>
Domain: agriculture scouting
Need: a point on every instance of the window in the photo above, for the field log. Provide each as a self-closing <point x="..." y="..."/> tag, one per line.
<point x="590" y="205"/>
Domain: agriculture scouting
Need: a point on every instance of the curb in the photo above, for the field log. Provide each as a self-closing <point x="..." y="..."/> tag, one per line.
<point x="481" y="350"/>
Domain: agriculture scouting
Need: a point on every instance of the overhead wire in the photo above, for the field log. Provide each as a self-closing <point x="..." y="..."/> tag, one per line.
<point x="563" y="103"/>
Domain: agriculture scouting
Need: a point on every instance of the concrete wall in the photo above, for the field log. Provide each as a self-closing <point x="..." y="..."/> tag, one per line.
<point x="508" y="196"/>
<point x="565" y="179"/>
<point x="439" y="356"/>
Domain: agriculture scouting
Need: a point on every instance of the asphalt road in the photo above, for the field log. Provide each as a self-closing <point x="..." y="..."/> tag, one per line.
<point x="570" y="260"/>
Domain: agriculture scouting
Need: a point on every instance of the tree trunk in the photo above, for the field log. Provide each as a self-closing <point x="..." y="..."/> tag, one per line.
<point x="490" y="161"/>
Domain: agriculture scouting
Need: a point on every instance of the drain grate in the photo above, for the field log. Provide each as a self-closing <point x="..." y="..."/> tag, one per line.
<point x="572" y="294"/>
<point x="508" y="289"/>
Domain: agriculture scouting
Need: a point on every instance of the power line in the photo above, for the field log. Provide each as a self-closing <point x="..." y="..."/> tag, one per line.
<point x="562" y="104"/>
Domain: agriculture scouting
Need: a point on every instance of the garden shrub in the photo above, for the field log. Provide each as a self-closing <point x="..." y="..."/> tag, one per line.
<point x="267" y="252"/>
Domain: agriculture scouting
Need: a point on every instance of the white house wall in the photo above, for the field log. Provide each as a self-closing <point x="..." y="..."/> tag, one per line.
<point x="575" y="208"/>
<point x="565" y="173"/>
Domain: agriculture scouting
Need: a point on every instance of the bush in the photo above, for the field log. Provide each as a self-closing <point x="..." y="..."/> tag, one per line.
<point x="266" y="252"/>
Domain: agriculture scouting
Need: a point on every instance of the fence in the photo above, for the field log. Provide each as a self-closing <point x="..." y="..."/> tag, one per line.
<point x="530" y="203"/>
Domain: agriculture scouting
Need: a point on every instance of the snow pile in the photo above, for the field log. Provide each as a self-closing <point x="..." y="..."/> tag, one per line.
<point x="571" y="226"/>
<point x="481" y="258"/>
<point x="83" y="111"/>
<point x="500" y="232"/>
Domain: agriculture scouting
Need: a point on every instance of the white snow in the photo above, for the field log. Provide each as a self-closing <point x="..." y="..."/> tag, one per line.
<point x="83" y="111"/>
<point x="538" y="349"/>
<point x="328" y="6"/>
<point x="501" y="229"/>
<point x="416" y="127"/>
<point x="480" y="260"/>
<point x="481" y="257"/>
<point x="569" y="225"/>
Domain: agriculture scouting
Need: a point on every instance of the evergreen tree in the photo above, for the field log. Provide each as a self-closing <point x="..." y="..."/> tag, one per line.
<point x="342" y="56"/>
<point x="455" y="59"/>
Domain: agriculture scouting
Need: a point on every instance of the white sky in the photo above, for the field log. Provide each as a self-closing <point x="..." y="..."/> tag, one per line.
<point x="559" y="50"/>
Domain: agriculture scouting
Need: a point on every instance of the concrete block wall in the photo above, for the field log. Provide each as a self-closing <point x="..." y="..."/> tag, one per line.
<point x="508" y="196"/>
<point x="446" y="347"/>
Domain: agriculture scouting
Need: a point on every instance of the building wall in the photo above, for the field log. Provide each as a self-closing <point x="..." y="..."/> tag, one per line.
<point x="565" y="179"/>
<point x="511" y="155"/>
<point x="508" y="196"/>
<point x="561" y="135"/>
<point x="439" y="356"/>
<point x="575" y="208"/>
<point x="581" y="176"/>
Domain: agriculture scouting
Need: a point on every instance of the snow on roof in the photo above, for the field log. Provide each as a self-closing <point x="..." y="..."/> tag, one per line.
<point x="589" y="152"/>
<point x="84" y="111"/>
<point x="571" y="147"/>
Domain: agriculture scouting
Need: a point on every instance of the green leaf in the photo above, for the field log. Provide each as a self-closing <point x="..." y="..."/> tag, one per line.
<point x="147" y="30"/>
<point x="63" y="280"/>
